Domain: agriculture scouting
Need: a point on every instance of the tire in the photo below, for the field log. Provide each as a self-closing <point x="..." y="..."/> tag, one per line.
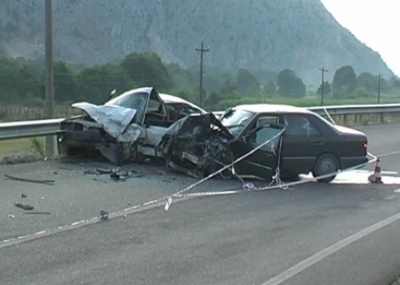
<point x="326" y="163"/>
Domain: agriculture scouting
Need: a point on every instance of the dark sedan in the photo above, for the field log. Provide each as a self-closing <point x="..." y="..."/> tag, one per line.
<point x="299" y="141"/>
<point x="310" y="143"/>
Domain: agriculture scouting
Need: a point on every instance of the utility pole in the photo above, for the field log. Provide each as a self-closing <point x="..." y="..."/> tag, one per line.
<point x="379" y="88"/>
<point x="323" y="70"/>
<point x="201" y="50"/>
<point x="49" y="73"/>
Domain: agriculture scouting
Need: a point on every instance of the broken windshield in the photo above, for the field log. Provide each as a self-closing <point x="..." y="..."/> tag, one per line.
<point x="235" y="120"/>
<point x="134" y="100"/>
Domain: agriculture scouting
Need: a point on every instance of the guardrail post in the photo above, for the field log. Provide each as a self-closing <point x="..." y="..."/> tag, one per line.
<point x="345" y="119"/>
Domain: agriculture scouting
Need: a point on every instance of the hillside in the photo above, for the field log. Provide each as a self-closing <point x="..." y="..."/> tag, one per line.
<point x="254" y="34"/>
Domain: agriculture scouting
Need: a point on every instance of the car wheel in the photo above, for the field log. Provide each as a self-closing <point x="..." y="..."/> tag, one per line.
<point x="326" y="163"/>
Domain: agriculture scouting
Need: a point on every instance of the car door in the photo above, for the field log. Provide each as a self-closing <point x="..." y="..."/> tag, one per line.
<point x="303" y="141"/>
<point x="155" y="124"/>
<point x="261" y="163"/>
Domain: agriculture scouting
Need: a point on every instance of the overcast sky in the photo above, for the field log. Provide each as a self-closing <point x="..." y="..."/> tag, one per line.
<point x="374" y="22"/>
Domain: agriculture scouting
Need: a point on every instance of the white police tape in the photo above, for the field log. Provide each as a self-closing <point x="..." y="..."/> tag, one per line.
<point x="169" y="202"/>
<point x="250" y="187"/>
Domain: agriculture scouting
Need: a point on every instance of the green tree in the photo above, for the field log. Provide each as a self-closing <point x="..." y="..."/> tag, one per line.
<point x="97" y="82"/>
<point x="247" y="83"/>
<point x="368" y="81"/>
<point x="183" y="78"/>
<point x="212" y="100"/>
<point x="344" y="81"/>
<point x="27" y="85"/>
<point x="147" y="69"/>
<point x="327" y="88"/>
<point x="270" y="88"/>
<point x="394" y="82"/>
<point x="65" y="85"/>
<point x="290" y="85"/>
<point x="229" y="90"/>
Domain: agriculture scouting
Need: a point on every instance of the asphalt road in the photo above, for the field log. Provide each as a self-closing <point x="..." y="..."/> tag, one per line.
<point x="311" y="234"/>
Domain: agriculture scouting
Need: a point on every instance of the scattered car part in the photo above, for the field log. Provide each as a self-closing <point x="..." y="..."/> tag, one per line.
<point x="47" y="182"/>
<point x="26" y="207"/>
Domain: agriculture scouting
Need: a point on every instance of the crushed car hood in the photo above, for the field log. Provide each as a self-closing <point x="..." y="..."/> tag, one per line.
<point x="195" y="144"/>
<point x="196" y="125"/>
<point x="115" y="121"/>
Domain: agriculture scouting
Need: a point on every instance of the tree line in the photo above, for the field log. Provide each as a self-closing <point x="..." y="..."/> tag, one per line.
<point x="22" y="82"/>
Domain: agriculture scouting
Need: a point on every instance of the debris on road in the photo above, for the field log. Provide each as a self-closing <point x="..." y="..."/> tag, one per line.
<point x="23" y="195"/>
<point x="11" y="216"/>
<point x="116" y="175"/>
<point x="103" y="215"/>
<point x="121" y="175"/>
<point x="25" y="207"/>
<point x="47" y="182"/>
<point x="104" y="171"/>
<point x="91" y="171"/>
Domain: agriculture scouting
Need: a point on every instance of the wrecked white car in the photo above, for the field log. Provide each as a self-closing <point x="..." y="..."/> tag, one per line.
<point x="126" y="128"/>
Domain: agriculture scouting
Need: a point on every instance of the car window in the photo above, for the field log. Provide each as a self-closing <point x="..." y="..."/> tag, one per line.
<point x="154" y="104"/>
<point x="262" y="135"/>
<point x="177" y="111"/>
<point x="135" y="101"/>
<point x="236" y="120"/>
<point x="300" y="126"/>
<point x="266" y="120"/>
<point x="190" y="110"/>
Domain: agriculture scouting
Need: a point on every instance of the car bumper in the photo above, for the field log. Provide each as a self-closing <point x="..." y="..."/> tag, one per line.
<point x="78" y="139"/>
<point x="349" y="162"/>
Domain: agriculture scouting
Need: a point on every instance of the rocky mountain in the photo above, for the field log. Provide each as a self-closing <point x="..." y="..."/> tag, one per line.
<point x="254" y="34"/>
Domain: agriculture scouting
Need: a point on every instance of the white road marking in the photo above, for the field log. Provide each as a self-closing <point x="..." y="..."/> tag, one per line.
<point x="301" y="266"/>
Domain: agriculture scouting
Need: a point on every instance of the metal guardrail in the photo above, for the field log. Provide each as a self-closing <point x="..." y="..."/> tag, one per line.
<point x="357" y="109"/>
<point x="22" y="129"/>
<point x="12" y="130"/>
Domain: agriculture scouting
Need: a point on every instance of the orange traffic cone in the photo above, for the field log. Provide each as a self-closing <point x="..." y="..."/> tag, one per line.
<point x="376" y="177"/>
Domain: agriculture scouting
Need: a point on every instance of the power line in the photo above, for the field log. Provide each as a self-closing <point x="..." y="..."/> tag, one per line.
<point x="202" y="50"/>
<point x="323" y="70"/>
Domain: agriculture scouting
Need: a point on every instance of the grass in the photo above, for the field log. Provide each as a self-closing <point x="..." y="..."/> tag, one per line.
<point x="25" y="145"/>
<point x="396" y="281"/>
